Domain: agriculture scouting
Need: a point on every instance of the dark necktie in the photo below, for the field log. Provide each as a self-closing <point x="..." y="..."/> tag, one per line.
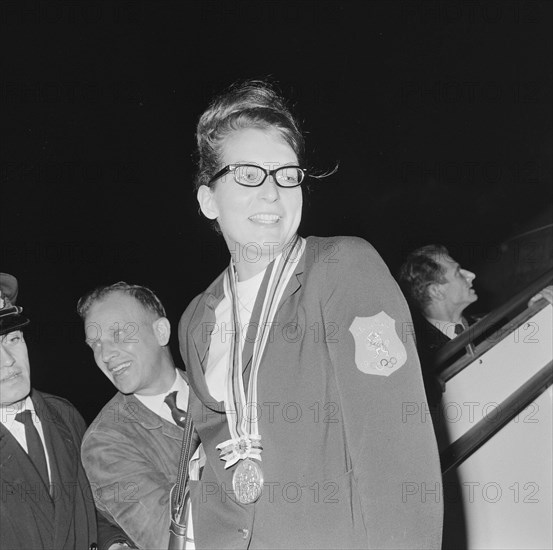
<point x="179" y="416"/>
<point x="461" y="328"/>
<point x="34" y="445"/>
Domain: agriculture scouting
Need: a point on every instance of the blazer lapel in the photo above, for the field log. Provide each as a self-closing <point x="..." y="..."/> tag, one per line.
<point x="64" y="460"/>
<point x="253" y="326"/>
<point x="201" y="336"/>
<point x="22" y="482"/>
<point x="291" y="288"/>
<point x="294" y="284"/>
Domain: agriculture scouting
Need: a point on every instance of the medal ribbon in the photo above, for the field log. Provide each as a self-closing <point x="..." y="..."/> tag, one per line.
<point x="241" y="411"/>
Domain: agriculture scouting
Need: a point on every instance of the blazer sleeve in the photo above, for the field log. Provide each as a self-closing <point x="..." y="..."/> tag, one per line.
<point x="389" y="434"/>
<point x="128" y="489"/>
<point x="109" y="533"/>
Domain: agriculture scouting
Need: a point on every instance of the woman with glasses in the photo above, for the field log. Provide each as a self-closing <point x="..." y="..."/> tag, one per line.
<point x="307" y="392"/>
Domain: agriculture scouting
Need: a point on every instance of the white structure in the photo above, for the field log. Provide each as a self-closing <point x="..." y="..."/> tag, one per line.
<point x="497" y="411"/>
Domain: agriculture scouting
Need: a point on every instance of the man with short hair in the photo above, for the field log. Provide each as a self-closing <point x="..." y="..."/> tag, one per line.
<point x="131" y="450"/>
<point x="439" y="290"/>
<point x="46" y="498"/>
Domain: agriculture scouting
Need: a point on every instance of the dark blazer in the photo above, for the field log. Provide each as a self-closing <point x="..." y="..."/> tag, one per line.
<point x="31" y="518"/>
<point x="345" y="462"/>
<point x="430" y="340"/>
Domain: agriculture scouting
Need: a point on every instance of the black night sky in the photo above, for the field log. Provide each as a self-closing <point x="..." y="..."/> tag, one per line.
<point x="438" y="112"/>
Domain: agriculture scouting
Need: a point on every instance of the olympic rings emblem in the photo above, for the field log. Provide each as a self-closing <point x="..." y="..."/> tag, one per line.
<point x="384" y="363"/>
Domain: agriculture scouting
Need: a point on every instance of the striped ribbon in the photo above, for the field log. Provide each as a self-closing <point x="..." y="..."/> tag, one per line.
<point x="241" y="411"/>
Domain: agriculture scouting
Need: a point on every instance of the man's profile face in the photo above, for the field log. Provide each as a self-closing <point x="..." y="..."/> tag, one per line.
<point x="15" y="373"/>
<point x="120" y="332"/>
<point x="457" y="289"/>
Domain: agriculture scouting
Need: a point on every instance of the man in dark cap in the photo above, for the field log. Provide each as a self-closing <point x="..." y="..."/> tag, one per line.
<point x="46" y="500"/>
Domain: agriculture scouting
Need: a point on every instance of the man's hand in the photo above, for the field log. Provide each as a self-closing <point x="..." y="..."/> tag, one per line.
<point x="546" y="293"/>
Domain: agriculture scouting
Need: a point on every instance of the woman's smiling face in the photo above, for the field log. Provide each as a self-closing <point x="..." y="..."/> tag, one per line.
<point x="256" y="222"/>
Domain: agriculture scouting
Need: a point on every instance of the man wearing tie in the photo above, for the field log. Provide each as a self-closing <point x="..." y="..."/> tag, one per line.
<point x="131" y="450"/>
<point x="46" y="500"/>
<point x="439" y="290"/>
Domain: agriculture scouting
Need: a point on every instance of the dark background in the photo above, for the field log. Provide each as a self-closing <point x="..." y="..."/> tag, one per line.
<point x="438" y="112"/>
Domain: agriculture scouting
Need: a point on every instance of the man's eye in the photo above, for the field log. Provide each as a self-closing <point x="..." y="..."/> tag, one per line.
<point x="15" y="339"/>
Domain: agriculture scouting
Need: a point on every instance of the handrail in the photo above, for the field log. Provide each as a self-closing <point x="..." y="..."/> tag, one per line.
<point x="483" y="325"/>
<point x="461" y="449"/>
<point x="449" y="370"/>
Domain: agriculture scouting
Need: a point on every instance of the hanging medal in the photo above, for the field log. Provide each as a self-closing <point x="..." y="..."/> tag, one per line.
<point x="245" y="447"/>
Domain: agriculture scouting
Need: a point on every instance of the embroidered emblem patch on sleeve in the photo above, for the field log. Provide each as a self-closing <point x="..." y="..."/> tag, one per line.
<point x="378" y="348"/>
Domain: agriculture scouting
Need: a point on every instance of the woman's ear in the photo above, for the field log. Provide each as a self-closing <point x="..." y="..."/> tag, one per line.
<point x="207" y="202"/>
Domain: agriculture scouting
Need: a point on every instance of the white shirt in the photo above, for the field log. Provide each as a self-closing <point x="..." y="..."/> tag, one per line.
<point x="221" y="337"/>
<point x="446" y="327"/>
<point x="17" y="429"/>
<point x="156" y="403"/>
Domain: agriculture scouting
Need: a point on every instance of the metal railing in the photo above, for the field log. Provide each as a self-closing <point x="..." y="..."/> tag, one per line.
<point x="486" y="324"/>
<point x="485" y="429"/>
<point x="461" y="449"/>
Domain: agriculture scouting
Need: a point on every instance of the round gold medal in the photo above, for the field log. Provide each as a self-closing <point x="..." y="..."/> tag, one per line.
<point x="247" y="481"/>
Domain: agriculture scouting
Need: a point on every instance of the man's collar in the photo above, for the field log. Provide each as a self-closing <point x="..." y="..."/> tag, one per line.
<point x="155" y="404"/>
<point x="447" y="327"/>
<point x="7" y="414"/>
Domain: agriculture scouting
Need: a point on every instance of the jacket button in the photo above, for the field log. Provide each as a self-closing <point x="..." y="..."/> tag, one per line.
<point x="245" y="533"/>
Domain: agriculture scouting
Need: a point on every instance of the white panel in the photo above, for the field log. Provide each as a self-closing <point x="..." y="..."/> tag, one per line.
<point x="477" y="390"/>
<point x="506" y="485"/>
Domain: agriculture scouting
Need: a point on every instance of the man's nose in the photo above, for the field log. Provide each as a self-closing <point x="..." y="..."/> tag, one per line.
<point x="108" y="351"/>
<point x="468" y="275"/>
<point x="6" y="358"/>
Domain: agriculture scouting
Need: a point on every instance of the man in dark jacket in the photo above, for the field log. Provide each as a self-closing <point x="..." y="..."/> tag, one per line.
<point x="46" y="500"/>
<point x="439" y="290"/>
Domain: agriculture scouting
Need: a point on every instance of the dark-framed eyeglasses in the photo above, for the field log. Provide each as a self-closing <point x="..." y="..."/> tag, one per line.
<point x="252" y="175"/>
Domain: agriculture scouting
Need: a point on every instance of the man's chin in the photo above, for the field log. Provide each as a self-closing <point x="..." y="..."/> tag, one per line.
<point x="472" y="295"/>
<point x="125" y="390"/>
<point x="16" y="395"/>
<point x="125" y="387"/>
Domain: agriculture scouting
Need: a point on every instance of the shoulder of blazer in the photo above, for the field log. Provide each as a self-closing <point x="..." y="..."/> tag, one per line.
<point x="60" y="412"/>
<point x="333" y="258"/>
<point x="195" y="309"/>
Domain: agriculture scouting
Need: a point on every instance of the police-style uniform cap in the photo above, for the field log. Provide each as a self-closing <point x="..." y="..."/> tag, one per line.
<point x="11" y="317"/>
